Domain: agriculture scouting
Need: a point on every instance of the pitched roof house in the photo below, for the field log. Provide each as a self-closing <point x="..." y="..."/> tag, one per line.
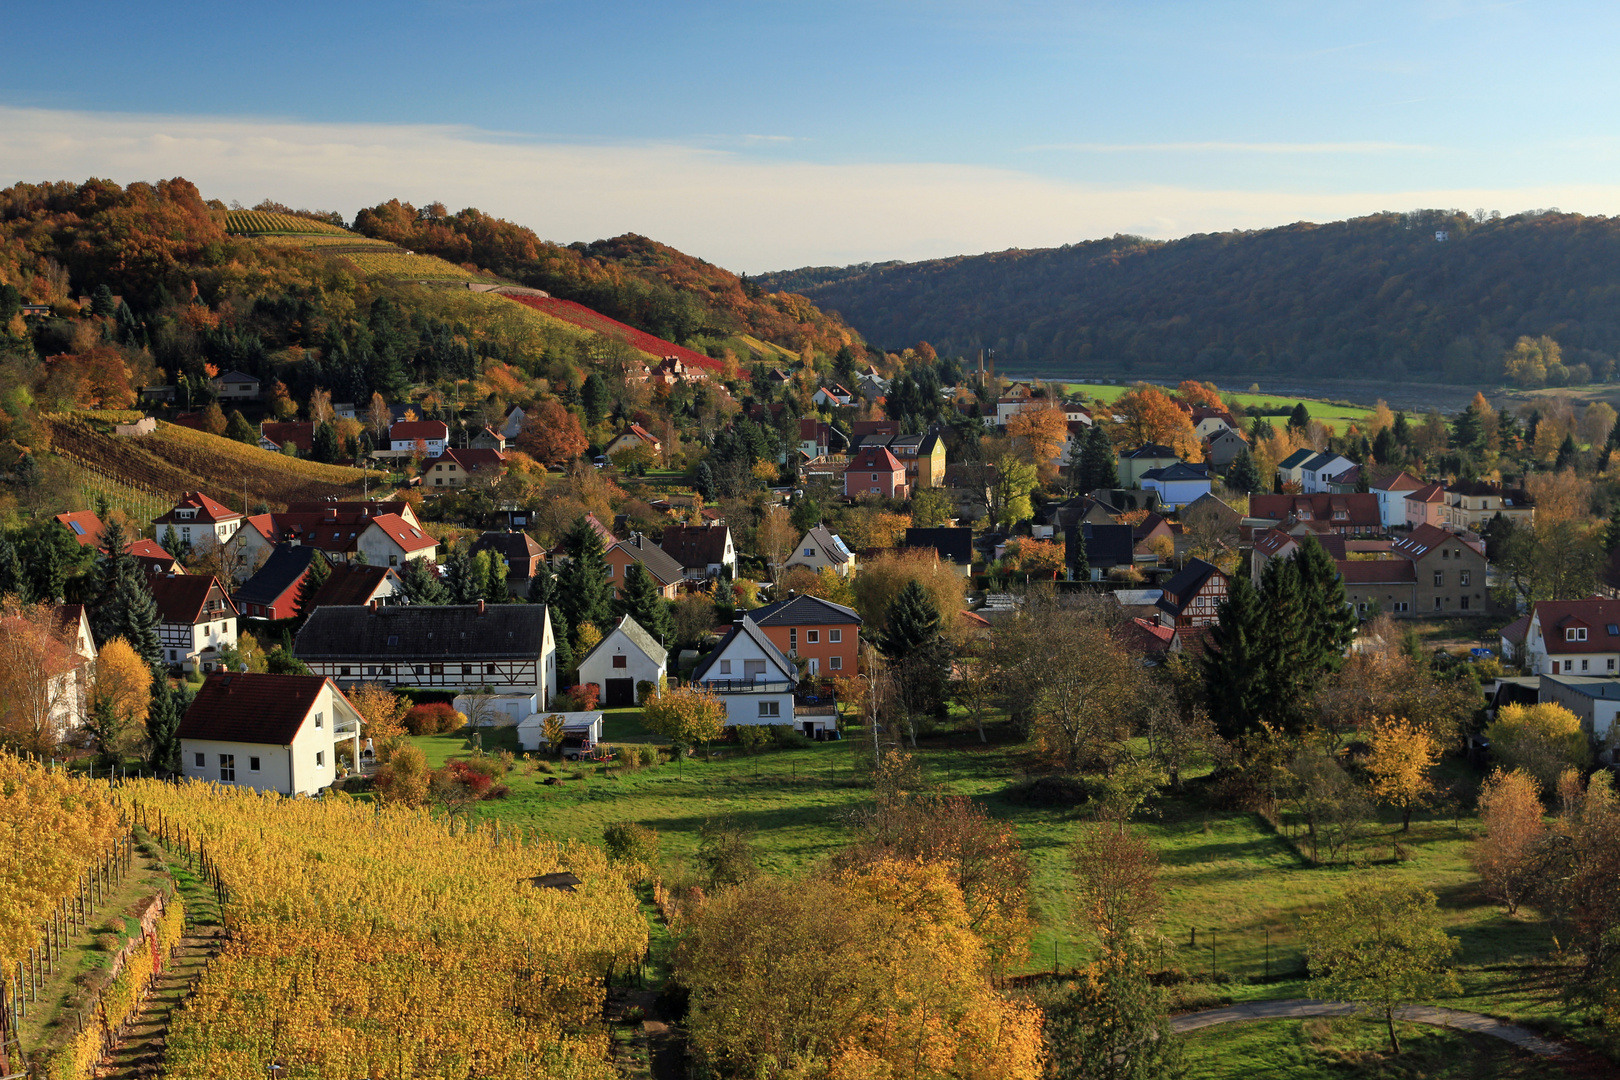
<point x="384" y="539"/>
<point x="1107" y="547"/>
<point x="821" y="547"/>
<point x="196" y="619"/>
<point x="357" y="508"/>
<point x="299" y="434"/>
<point x="196" y="518"/>
<point x="153" y="558"/>
<point x="352" y="584"/>
<point x="1134" y="463"/>
<point x="1577" y="637"/>
<point x="1194" y="596"/>
<point x="405" y="435"/>
<point x="84" y="525"/>
<point x="267" y="732"/>
<point x="702" y="550"/>
<point x="519" y="551"/>
<point x="1426" y="506"/>
<point x="1352" y="514"/>
<point x="825" y="634"/>
<point x="455" y="468"/>
<point x="1178" y="484"/>
<point x="272" y="592"/>
<point x="874" y="470"/>
<point x="1318" y="472"/>
<point x="667" y="571"/>
<point x="631" y="437"/>
<point x="1391" y="492"/>
<point x="235" y="386"/>
<point x="754" y="680"/>
<point x="627" y="655"/>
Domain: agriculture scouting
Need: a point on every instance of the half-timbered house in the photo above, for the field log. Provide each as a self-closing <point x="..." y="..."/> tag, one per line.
<point x="1194" y="596"/>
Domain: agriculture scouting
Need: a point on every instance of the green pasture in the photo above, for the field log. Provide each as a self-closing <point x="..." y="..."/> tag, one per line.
<point x="1354" y="1048"/>
<point x="1327" y="412"/>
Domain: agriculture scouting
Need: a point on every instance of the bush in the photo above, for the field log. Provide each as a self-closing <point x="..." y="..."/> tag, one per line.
<point x="587" y="694"/>
<point x="644" y="690"/>
<point x="788" y="737"/>
<point x="750" y="737"/>
<point x="649" y="756"/>
<point x="108" y="942"/>
<point x="566" y="703"/>
<point x="432" y="719"/>
<point x="628" y="842"/>
<point x="1049" y="791"/>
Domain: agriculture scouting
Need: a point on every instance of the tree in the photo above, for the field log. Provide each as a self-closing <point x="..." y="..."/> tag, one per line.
<point x="324" y="446"/>
<point x="1100" y="468"/>
<point x="380" y="418"/>
<point x="38" y="692"/>
<point x="931" y="506"/>
<point x="464" y="576"/>
<point x="1300" y="418"/>
<point x="1542" y="740"/>
<point x="685" y="716"/>
<point x="120" y="701"/>
<point x="1151" y="417"/>
<point x="1009" y="494"/>
<point x="583" y="591"/>
<point x="1243" y="475"/>
<point x="1039" y="433"/>
<point x="1380" y="944"/>
<point x="774" y="538"/>
<point x="1403" y="753"/>
<point x="594" y="397"/>
<point x="725" y="852"/>
<point x="421" y="583"/>
<point x="123" y="606"/>
<point x="1505" y="857"/>
<point x="1331" y="802"/>
<point x="239" y="429"/>
<point x="1079" y="557"/>
<point x="405" y="780"/>
<point x="315" y="577"/>
<point x="382" y="713"/>
<point x="213" y="419"/>
<point x="163" y="716"/>
<point x="1234" y="663"/>
<point x="640" y="599"/>
<point x="551" y="434"/>
<point x="911" y="640"/>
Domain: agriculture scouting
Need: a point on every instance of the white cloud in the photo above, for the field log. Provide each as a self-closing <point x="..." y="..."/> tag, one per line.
<point x="741" y="212"/>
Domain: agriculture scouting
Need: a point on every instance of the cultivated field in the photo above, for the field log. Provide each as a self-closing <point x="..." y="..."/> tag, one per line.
<point x="257" y="222"/>
<point x="401" y="265"/>
<point x="1338" y="414"/>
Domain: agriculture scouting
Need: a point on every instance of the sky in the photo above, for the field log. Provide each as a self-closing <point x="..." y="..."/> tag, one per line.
<point x="769" y="135"/>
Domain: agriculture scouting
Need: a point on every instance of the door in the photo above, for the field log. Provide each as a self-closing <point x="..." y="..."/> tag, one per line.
<point x="619" y="693"/>
<point x="815" y="666"/>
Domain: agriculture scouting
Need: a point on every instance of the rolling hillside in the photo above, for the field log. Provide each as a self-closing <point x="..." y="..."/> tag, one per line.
<point x="1381" y="297"/>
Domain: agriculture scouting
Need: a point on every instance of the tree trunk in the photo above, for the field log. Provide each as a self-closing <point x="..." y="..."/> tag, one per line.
<point x="1389" y="1020"/>
<point x="1406" y="819"/>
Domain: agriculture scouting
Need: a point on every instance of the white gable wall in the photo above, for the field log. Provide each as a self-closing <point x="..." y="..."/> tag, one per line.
<point x="598" y="667"/>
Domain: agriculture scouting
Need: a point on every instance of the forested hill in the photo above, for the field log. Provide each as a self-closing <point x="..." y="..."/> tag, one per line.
<point x="649" y="285"/>
<point x="1378" y="297"/>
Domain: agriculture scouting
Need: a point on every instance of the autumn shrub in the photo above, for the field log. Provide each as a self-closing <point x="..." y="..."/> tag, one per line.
<point x="566" y="703"/>
<point x="788" y="737"/>
<point x="627" y="841"/>
<point x="108" y="942"/>
<point x="406" y="779"/>
<point x="649" y="756"/>
<point x="432" y="718"/>
<point x="645" y="689"/>
<point x="1542" y="739"/>
<point x="587" y="694"/>
<point x="751" y="737"/>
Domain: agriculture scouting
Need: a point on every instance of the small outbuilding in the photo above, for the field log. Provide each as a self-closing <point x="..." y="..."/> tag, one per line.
<point x="627" y="656"/>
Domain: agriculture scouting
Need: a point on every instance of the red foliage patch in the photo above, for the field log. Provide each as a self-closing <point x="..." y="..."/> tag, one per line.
<point x="582" y="316"/>
<point x="431" y="718"/>
<point x="587" y="694"/>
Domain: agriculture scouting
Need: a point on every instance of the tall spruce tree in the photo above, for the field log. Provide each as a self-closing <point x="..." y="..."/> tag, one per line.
<point x="1300" y="418"/>
<point x="640" y="599"/>
<point x="123" y="605"/>
<point x="542" y="587"/>
<point x="495" y="590"/>
<point x="163" y="723"/>
<point x="324" y="446"/>
<point x="319" y="571"/>
<point x="13" y="579"/>
<point x="463" y="575"/>
<point x="583" y="591"/>
<point x="565" y="650"/>
<point x="1234" y="663"/>
<point x="1102" y="468"/>
<point x="922" y="662"/>
<point x="913" y="622"/>
<point x="1329" y="620"/>
<point x="1079" y="557"/>
<point x="420" y="580"/>
<point x="1244" y="475"/>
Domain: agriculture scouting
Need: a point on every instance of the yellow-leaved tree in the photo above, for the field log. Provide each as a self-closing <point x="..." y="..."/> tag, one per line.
<point x="1510" y="807"/>
<point x="685" y="716"/>
<point x="384" y="714"/>
<point x="122" y="695"/>
<point x="1542" y="739"/>
<point x="1403" y="754"/>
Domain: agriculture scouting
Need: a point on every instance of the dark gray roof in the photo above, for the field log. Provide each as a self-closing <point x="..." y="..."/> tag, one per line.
<point x="1181" y="588"/>
<point x="638" y="637"/>
<point x="661" y="564"/>
<point x="1179" y="471"/>
<point x="284" y="566"/>
<point x="953" y="544"/>
<point x="427" y="631"/>
<point x="746" y="627"/>
<point x="1150" y="450"/>
<point x="1106" y="545"/>
<point x="829" y="542"/>
<point x="803" y="610"/>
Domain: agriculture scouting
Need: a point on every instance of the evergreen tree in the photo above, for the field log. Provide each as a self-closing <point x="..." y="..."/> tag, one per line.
<point x="314" y="578"/>
<point x="1403" y="429"/>
<point x="542" y="587"/>
<point x="640" y="599"/>
<point x="13" y="580"/>
<point x="1244" y="475"/>
<point x="1234" y="663"/>
<point x="26" y="472"/>
<point x="703" y="480"/>
<point x="421" y="583"/>
<point x="1385" y="450"/>
<point x="324" y="445"/>
<point x="1468" y="430"/>
<point x="807" y="512"/>
<point x="1567" y="453"/>
<point x="495" y="590"/>
<point x="1101" y="468"/>
<point x="1300" y="418"/>
<point x="464" y="577"/>
<point x="1079" y="557"/>
<point x="1329" y="620"/>
<point x="913" y="622"/>
<point x="1260" y="428"/>
<point x="238" y="428"/>
<point x="101" y="302"/>
<point x="594" y="396"/>
<point x="1611" y="533"/>
<point x="163" y="722"/>
<point x="912" y="641"/>
<point x="583" y="591"/>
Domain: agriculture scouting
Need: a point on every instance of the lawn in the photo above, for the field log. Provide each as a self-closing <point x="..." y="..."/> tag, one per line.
<point x="1327" y="412"/>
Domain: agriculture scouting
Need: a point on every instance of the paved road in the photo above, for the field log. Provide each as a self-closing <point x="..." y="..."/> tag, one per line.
<point x="1296" y="1008"/>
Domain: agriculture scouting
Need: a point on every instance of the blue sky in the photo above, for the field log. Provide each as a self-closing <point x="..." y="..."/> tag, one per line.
<point x="771" y="134"/>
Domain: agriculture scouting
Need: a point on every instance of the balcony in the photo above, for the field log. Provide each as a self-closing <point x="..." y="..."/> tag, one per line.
<point x="747" y="686"/>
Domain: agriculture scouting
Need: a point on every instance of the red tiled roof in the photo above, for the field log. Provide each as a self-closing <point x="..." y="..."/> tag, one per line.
<point x="1426" y="538"/>
<point x="301" y="433"/>
<point x="1516" y="630"/>
<point x="1360" y="508"/>
<point x="207" y="510"/>
<point x="88" y="533"/>
<point x="351" y="583"/>
<point x="252" y="708"/>
<point x="180" y="597"/>
<point x="425" y="430"/>
<point x="1429" y="493"/>
<point x="403" y="533"/>
<point x="471" y="460"/>
<point x="1145" y="636"/>
<point x="1401" y="481"/>
<point x="1596" y="613"/>
<point x="1377" y="571"/>
<point x="150" y="551"/>
<point x="874" y="459"/>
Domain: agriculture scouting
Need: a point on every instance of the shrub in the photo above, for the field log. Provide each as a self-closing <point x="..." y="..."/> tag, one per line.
<point x="107" y="942"/>
<point x="566" y="703"/>
<point x="628" y="842"/>
<point x="750" y="737"/>
<point x="587" y="694"/>
<point x="649" y="756"/>
<point x="545" y="767"/>
<point x="644" y="689"/>
<point x="432" y="718"/>
<point x="788" y="737"/>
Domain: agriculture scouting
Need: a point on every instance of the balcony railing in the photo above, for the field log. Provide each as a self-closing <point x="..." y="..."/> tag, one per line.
<point x="747" y="686"/>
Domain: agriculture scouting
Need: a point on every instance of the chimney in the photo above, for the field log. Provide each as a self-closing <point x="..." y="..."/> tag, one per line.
<point x="480" y="607"/>
<point x="374" y="606"/>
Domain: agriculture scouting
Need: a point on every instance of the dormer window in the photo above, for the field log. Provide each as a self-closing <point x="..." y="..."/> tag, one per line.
<point x="1575" y="633"/>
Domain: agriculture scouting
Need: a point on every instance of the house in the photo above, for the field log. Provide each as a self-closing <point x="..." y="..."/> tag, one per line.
<point x="826" y="635"/>
<point x="275" y="435"/>
<point x="512" y="423"/>
<point x="1391" y="492"/>
<point x="354" y="584"/>
<point x="1511" y="640"/>
<point x="667" y="571"/>
<point x="268" y="732"/>
<point x="357" y="508"/>
<point x="633" y="437"/>
<point x="457" y="468"/>
<point x="874" y="470"/>
<point x="506" y="647"/>
<point x="1056" y="518"/>
<point x="344" y="532"/>
<point x="1207" y="421"/>
<point x="235" y="386"/>
<point x="1573" y="637"/>
<point x="84" y="525"/>
<point x="1178" y="484"/>
<point x="1133" y="464"/>
<point x="816" y="437"/>
<point x="952" y="545"/>
<point x="487" y="439"/>
<point x="1426" y="506"/>
<point x="861" y="432"/>
<point x="153" y="559"/>
<point x="1214" y="507"/>
<point x="1374" y="585"/>
<point x="1595" y="701"/>
<point x="523" y="557"/>
<point x="196" y="619"/>
<point x="1318" y="471"/>
<point x="196" y="518"/>
<point x="873" y="387"/>
<point x="1472" y="505"/>
<point x="1351" y="515"/>
<point x="73" y="627"/>
<point x="1108" y="547"/>
<point x="1450" y="570"/>
<point x="820" y="547"/>
<point x="430" y="438"/>
<point x="833" y="396"/>
<point x="62" y="654"/>
<point x="1222" y="447"/>
<point x="923" y="456"/>
<point x="1194" y="596"/>
<point x="1278" y="544"/>
<point x="1291" y="469"/>
<point x="704" y="551"/>
<point x="1150" y="529"/>
<point x="752" y="677"/>
<point x="628" y="655"/>
<point x="272" y="592"/>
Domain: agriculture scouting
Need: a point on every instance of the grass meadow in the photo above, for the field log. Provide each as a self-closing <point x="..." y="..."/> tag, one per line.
<point x="1327" y="412"/>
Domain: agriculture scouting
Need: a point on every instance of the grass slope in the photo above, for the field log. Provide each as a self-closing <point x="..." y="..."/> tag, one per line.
<point x="1352" y="1049"/>
<point x="1328" y="412"/>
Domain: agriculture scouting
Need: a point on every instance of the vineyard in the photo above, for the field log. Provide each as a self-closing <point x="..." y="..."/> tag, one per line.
<point x="175" y="459"/>
<point x="403" y="265"/>
<point x="584" y="317"/>
<point x="392" y="943"/>
<point x="329" y="245"/>
<point x="254" y="222"/>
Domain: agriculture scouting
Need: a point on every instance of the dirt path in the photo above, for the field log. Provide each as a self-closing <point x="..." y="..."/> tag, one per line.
<point x="1296" y="1008"/>
<point x="140" y="1052"/>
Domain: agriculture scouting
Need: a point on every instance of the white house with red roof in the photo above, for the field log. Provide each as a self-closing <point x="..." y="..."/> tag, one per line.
<point x="268" y="732"/>
<point x="433" y="435"/>
<point x="196" y="619"/>
<point x="344" y="532"/>
<point x="834" y="396"/>
<point x="1391" y="493"/>
<point x="197" y="518"/>
<point x="1576" y="637"/>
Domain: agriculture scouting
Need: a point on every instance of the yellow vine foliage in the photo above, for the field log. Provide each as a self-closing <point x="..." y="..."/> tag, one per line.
<point x="384" y="941"/>
<point x="51" y="826"/>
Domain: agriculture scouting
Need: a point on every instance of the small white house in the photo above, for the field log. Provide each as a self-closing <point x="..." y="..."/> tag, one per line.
<point x="267" y="732"/>
<point x="430" y="437"/>
<point x="1178" y="484"/>
<point x="582" y="731"/>
<point x="627" y="656"/>
<point x="496" y="710"/>
<point x="751" y="675"/>
<point x="822" y="547"/>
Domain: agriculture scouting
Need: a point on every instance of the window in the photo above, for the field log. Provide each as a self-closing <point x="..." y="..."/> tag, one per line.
<point x="1439" y="578"/>
<point x="1611" y="663"/>
<point x="610" y="571"/>
<point x="466" y="669"/>
<point x="809" y="553"/>
<point x="1464" y="604"/>
<point x="836" y="663"/>
<point x="320" y="721"/>
<point x="253" y="764"/>
<point x="393" y="560"/>
<point x="489" y="669"/>
<point x="227" y="768"/>
<point x="812" y="636"/>
<point x="1575" y="633"/>
<point x="320" y="759"/>
<point x="793" y="639"/>
<point x="725" y="667"/>
<point x="770" y="708"/>
<point x="1462" y="578"/>
<point x="1402" y="605"/>
<point x="835" y="635"/>
<point x="1439" y="603"/>
<point x="753" y="669"/>
<point x="1569" y="665"/>
<point x="199" y="761"/>
<point x="1585" y="665"/>
<point x="621" y="661"/>
<point x="435" y="669"/>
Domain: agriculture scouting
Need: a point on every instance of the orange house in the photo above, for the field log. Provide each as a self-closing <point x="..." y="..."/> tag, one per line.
<point x="665" y="570"/>
<point x="874" y="470"/>
<point x="824" y="633"/>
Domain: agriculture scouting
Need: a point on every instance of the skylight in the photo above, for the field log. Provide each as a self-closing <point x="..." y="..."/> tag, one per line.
<point x="1614" y="629"/>
<point x="77" y="527"/>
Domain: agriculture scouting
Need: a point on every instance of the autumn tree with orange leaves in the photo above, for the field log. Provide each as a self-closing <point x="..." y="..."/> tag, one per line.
<point x="551" y="434"/>
<point x="1152" y="417"/>
<point x="1038" y="434"/>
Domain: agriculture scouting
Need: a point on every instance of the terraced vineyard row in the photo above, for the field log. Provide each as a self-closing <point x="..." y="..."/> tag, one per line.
<point x="248" y="222"/>
<point x="175" y="459"/>
<point x="582" y="316"/>
<point x="400" y="265"/>
<point x="329" y="245"/>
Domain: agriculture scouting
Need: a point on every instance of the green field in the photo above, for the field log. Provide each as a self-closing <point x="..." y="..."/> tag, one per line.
<point x="1354" y="1048"/>
<point x="1327" y="412"/>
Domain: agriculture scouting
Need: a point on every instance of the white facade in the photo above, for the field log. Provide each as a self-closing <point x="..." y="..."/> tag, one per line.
<point x="1391" y="507"/>
<point x="749" y="675"/>
<point x="380" y="549"/>
<point x="435" y="447"/>
<point x="302" y="768"/>
<point x="1539" y="660"/>
<point x="1176" y="493"/>
<point x="197" y="533"/>
<point x="1314" y="475"/>
<point x="619" y="657"/>
<point x="584" y="725"/>
<point x="185" y="643"/>
<point x="498" y="710"/>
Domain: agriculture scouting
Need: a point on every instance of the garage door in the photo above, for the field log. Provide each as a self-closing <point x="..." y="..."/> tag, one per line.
<point x="619" y="693"/>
